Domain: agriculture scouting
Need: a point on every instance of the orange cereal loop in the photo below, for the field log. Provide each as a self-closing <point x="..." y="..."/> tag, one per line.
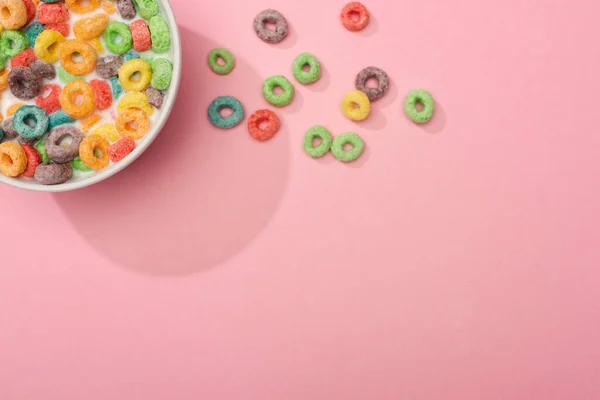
<point x="133" y="123"/>
<point x="97" y="45"/>
<point x="108" y="131"/>
<point x="90" y="27"/>
<point x="89" y="122"/>
<point x="13" y="159"/>
<point x="77" y="99"/>
<point x="4" y="79"/>
<point x="109" y="6"/>
<point x="93" y="152"/>
<point x="77" y="57"/>
<point x="13" y="14"/>
<point x="13" y="109"/>
<point x="83" y="6"/>
<point x="1" y="117"/>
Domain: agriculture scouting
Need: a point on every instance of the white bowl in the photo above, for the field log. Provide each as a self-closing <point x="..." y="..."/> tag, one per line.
<point x="141" y="146"/>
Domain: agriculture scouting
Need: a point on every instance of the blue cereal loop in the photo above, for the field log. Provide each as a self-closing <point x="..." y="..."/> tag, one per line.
<point x="33" y="31"/>
<point x="117" y="89"/>
<point x="59" y="118"/>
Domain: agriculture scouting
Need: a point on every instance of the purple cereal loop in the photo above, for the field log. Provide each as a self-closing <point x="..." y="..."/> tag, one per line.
<point x="24" y="83"/>
<point x="59" y="153"/>
<point x="383" y="83"/>
<point x="273" y="17"/>
<point x="126" y="9"/>
<point x="155" y="97"/>
<point x="53" y="174"/>
<point x="108" y="67"/>
<point x="9" y="129"/>
<point x="43" y="69"/>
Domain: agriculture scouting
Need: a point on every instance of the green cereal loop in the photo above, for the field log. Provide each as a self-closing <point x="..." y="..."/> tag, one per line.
<point x="114" y="30"/>
<point x="317" y="132"/>
<point x="66" y="77"/>
<point x="337" y="147"/>
<point x="40" y="146"/>
<point x="2" y="62"/>
<point x="79" y="165"/>
<point x="33" y="31"/>
<point x="12" y="42"/>
<point x="160" y="34"/>
<point x="219" y="104"/>
<point x="278" y="100"/>
<point x="310" y="76"/>
<point x="147" y="8"/>
<point x="419" y="96"/>
<point x="162" y="71"/>
<point x="224" y="54"/>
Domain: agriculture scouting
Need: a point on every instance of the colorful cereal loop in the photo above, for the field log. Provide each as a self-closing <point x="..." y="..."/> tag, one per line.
<point x="70" y="96"/>
<point x="93" y="152"/>
<point x="72" y="51"/>
<point x="133" y="123"/>
<point x="133" y="69"/>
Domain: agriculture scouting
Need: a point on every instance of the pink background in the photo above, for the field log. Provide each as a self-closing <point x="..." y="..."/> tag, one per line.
<point x="458" y="260"/>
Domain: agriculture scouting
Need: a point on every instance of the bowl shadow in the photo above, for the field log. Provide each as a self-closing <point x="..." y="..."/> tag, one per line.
<point x="198" y="196"/>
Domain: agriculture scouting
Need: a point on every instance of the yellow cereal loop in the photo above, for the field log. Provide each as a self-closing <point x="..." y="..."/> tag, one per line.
<point x="93" y="151"/>
<point x="356" y="105"/>
<point x="13" y="109"/>
<point x="97" y="44"/>
<point x="90" y="27"/>
<point x="135" y="75"/>
<point x="77" y="99"/>
<point x="13" y="159"/>
<point x="47" y="44"/>
<point x="108" y="131"/>
<point x="83" y="6"/>
<point x="109" y="6"/>
<point x="89" y="122"/>
<point x="135" y="100"/>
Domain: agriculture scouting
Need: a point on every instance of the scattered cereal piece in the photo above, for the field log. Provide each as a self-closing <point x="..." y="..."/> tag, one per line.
<point x="24" y="83"/>
<point x="108" y="131"/>
<point x="13" y="42"/>
<point x="89" y="122"/>
<point x="43" y="70"/>
<point x="419" y="96"/>
<point x="53" y="13"/>
<point x="147" y="8"/>
<point x="383" y="83"/>
<point x="126" y="9"/>
<point x="278" y="100"/>
<point x="57" y="151"/>
<point x="314" y="69"/>
<point x="272" y="17"/>
<point x="86" y="53"/>
<point x="119" y="150"/>
<point x="93" y="152"/>
<point x="117" y="37"/>
<point x="220" y="103"/>
<point x="102" y="93"/>
<point x="13" y="15"/>
<point x="351" y="138"/>
<point x="141" y="36"/>
<point x="31" y="122"/>
<point x="133" y="123"/>
<point x="317" y="133"/>
<point x="162" y="72"/>
<point x="259" y="117"/>
<point x="90" y="27"/>
<point x="135" y="100"/>
<point x="49" y="99"/>
<point x="13" y="160"/>
<point x="155" y="97"/>
<point x="355" y="9"/>
<point x="33" y="160"/>
<point x="160" y="34"/>
<point x="136" y="68"/>
<point x="70" y="105"/>
<point x="47" y="44"/>
<point x="53" y="174"/>
<point x="226" y="56"/>
<point x="356" y="105"/>
<point x="59" y="118"/>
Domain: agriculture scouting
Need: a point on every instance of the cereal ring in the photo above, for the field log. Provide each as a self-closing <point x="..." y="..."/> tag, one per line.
<point x="92" y="145"/>
<point x="9" y="129"/>
<point x="23" y="59"/>
<point x="350" y="11"/>
<point x="2" y="62"/>
<point x="43" y="70"/>
<point x="356" y="105"/>
<point x="133" y="123"/>
<point x="117" y="89"/>
<point x="162" y="72"/>
<point x="4" y="79"/>
<point x="69" y="99"/>
<point x="13" y="14"/>
<point x="57" y="151"/>
<point x="47" y="44"/>
<point x="33" y="31"/>
<point x="141" y="36"/>
<point x="24" y="83"/>
<point x="220" y="103"/>
<point x="272" y="17"/>
<point x="90" y="27"/>
<point x="108" y="131"/>
<point x="132" y="69"/>
<point x="155" y="97"/>
<point x="102" y="94"/>
<point x="83" y="6"/>
<point x="59" y="118"/>
<point x="62" y="27"/>
<point x="226" y="56"/>
<point x="53" y="13"/>
<point x="160" y="34"/>
<point x="79" y="165"/>
<point x="97" y="45"/>
<point x="126" y="9"/>
<point x="33" y="160"/>
<point x="31" y="10"/>
<point x="13" y="42"/>
<point x="89" y="122"/>
<point x="383" y="83"/>
<point x="117" y="37"/>
<point x="314" y="72"/>
<point x="109" y="6"/>
<point x="13" y="160"/>
<point x="119" y="150"/>
<point x="317" y="133"/>
<point x="278" y="100"/>
<point x="135" y="100"/>
<point x="109" y="66"/>
<point x="31" y="122"/>
<point x="66" y="77"/>
<point x="351" y="138"/>
<point x="147" y="8"/>
<point x="259" y="117"/>
<point x="49" y="99"/>
<point x="53" y="174"/>
<point x="132" y="55"/>
<point x="419" y="96"/>
<point x="40" y="147"/>
<point x="85" y="51"/>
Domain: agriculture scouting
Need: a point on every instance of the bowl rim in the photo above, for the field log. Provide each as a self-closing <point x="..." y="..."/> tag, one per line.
<point x="143" y="146"/>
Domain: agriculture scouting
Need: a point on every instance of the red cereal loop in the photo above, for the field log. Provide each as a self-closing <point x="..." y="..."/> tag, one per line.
<point x="62" y="27"/>
<point x="23" y="59"/>
<point x="118" y="150"/>
<point x="49" y="100"/>
<point x="141" y="36"/>
<point x="33" y="160"/>
<point x="103" y="94"/>
<point x="53" y="13"/>
<point x="351" y="10"/>
<point x="30" y="7"/>
<point x="263" y="116"/>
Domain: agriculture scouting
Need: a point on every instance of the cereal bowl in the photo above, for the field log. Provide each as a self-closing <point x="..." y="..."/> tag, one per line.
<point x="156" y="117"/>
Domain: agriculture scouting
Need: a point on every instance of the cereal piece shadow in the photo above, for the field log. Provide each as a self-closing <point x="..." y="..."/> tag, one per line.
<point x="376" y="121"/>
<point x="362" y="160"/>
<point x="296" y="104"/>
<point x="371" y="29"/>
<point x="389" y="98"/>
<point x="437" y="122"/>
<point x="287" y="43"/>
<point x="198" y="196"/>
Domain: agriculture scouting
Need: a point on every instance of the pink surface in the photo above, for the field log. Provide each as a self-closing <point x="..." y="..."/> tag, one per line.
<point x="458" y="260"/>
